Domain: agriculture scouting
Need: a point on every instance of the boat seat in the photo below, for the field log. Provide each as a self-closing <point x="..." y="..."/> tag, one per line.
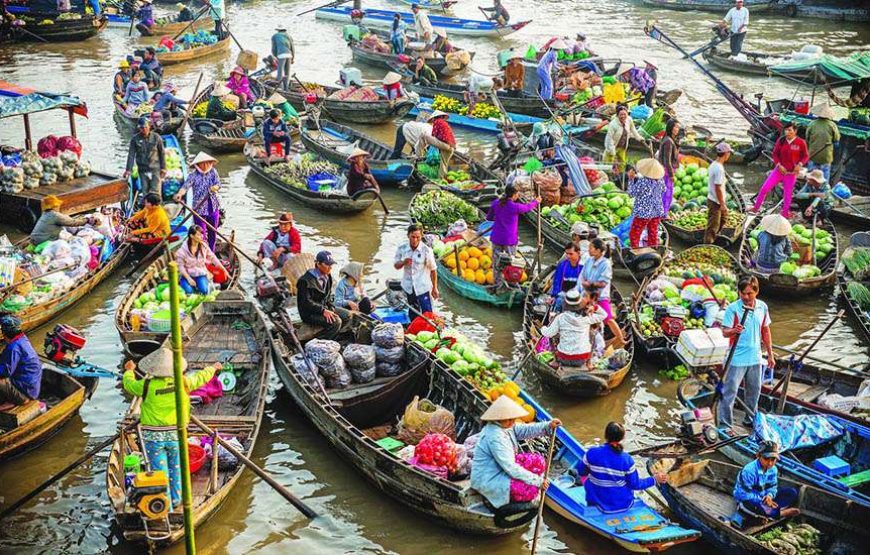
<point x="855" y="480"/>
<point x="307" y="332"/>
<point x="812" y="393"/>
<point x="13" y="416"/>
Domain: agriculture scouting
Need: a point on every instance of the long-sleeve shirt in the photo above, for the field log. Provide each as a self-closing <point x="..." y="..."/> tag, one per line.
<point x="152" y="65"/>
<point x="422" y="25"/>
<point x="240" y="86"/>
<point x="346" y="292"/>
<point x="282" y="44"/>
<point x="269" y="129"/>
<point x="156" y="222"/>
<point x="494" y="462"/>
<point x="772" y="251"/>
<point x="194" y="265"/>
<point x="754" y="483"/>
<point x="790" y="154"/>
<point x="600" y="270"/>
<point x="313" y="294"/>
<point x="146" y="15"/>
<point x="566" y="276"/>
<point x="136" y="93"/>
<point x="669" y="155"/>
<point x="573" y="330"/>
<point x="167" y="100"/>
<point x="21" y="365"/>
<point x="442" y="131"/>
<point x="418" y="134"/>
<point x="290" y="240"/>
<point x="822" y="135"/>
<point x="201" y="184"/>
<point x="50" y="224"/>
<point x="616" y="132"/>
<point x="808" y="189"/>
<point x="146" y="152"/>
<point x="217" y="9"/>
<point x="647" y="194"/>
<point x="548" y="62"/>
<point x="514" y="76"/>
<point x="398" y="30"/>
<point x="505" y="220"/>
<point x="612" y="478"/>
<point x="158" y="403"/>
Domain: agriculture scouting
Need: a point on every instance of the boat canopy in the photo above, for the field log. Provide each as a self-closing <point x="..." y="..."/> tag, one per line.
<point x="21" y="101"/>
<point x="835" y="70"/>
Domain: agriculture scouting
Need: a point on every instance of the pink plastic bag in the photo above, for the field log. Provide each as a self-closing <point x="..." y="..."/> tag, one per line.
<point x="69" y="143"/>
<point x="95" y="257"/>
<point x="47" y="147"/>
<point x="522" y="492"/>
<point x="210" y="391"/>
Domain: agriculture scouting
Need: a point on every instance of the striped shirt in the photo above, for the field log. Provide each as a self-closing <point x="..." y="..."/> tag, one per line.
<point x="612" y="478"/>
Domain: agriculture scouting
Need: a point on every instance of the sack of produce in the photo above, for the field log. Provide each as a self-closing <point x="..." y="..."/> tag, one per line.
<point x="390" y="354"/>
<point x="340" y="379"/>
<point x="47" y="146"/>
<point x="522" y="492"/>
<point x="422" y="417"/>
<point x="359" y="356"/>
<point x="322" y="351"/>
<point x="363" y="375"/>
<point x="388" y="335"/>
<point x="69" y="144"/>
<point x="305" y="370"/>
<point x="549" y="183"/>
<point x="389" y="369"/>
<point x="436" y="450"/>
<point x="567" y="193"/>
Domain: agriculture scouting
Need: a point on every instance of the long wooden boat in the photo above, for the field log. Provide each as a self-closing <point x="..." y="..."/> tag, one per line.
<point x="781" y="284"/>
<point x="797" y="463"/>
<point x="60" y="30"/>
<point x="355" y="418"/>
<point x="699" y="492"/>
<point x="729" y="235"/>
<point x="857" y="216"/>
<point x="860" y="316"/>
<point x="756" y="63"/>
<point x="172" y="125"/>
<point x="180" y="56"/>
<point x="522" y="103"/>
<point x="757" y="6"/>
<point x="334" y="142"/>
<point x="488" y="187"/>
<point x="216" y="337"/>
<point x="222" y="136"/>
<point x="829" y="9"/>
<point x="63" y="396"/>
<point x="574" y="382"/>
<point x="664" y="345"/>
<point x="335" y="202"/>
<point x="481" y="293"/>
<point x="139" y="342"/>
<point x="383" y="19"/>
<point x="388" y="60"/>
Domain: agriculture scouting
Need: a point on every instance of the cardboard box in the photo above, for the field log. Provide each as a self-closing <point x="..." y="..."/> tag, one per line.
<point x="695" y="347"/>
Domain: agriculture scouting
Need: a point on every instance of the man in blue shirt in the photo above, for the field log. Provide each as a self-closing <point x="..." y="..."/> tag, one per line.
<point x="20" y="367"/>
<point x="756" y="488"/>
<point x="276" y="131"/>
<point x="166" y="103"/>
<point x="566" y="276"/>
<point x="749" y="335"/>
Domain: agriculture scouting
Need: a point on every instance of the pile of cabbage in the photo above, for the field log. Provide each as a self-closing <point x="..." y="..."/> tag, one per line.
<point x="154" y="304"/>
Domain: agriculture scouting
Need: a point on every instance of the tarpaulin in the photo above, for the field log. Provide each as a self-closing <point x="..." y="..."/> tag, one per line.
<point x="795" y="432"/>
<point x="835" y="70"/>
<point x="18" y="101"/>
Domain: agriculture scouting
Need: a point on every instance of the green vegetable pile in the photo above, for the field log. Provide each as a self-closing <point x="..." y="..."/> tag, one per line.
<point x="677" y="373"/>
<point x="465" y="358"/>
<point x="690" y="186"/>
<point x="439" y="209"/>
<point x="606" y="210"/>
<point x="860" y="294"/>
<point x="792" y="539"/>
<point x="857" y="261"/>
<point x="802" y="236"/>
<point x="296" y="174"/>
<point x="696" y="219"/>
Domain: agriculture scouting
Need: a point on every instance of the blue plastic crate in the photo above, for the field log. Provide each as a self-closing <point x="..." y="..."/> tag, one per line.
<point x="387" y="314"/>
<point x="833" y="466"/>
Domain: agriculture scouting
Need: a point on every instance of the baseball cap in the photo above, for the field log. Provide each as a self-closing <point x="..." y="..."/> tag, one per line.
<point x="324" y="257"/>
<point x="723" y="147"/>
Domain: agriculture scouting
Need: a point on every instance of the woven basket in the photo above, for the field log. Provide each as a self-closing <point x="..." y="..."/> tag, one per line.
<point x="295" y="267"/>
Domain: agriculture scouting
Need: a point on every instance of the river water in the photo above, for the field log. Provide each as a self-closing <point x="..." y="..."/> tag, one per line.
<point x="74" y="516"/>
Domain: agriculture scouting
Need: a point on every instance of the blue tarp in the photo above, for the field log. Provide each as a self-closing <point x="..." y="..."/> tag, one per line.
<point x="18" y="105"/>
<point x="795" y="432"/>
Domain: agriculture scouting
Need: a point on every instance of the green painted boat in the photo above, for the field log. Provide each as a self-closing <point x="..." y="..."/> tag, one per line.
<point x="476" y="292"/>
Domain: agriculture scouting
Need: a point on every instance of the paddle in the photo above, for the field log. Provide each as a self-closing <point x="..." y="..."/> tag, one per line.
<point x="295" y="501"/>
<point x="78" y="462"/>
<point x="189" y="25"/>
<point x="132" y="23"/>
<point x="785" y="381"/>
<point x="815" y="359"/>
<point x="190" y="104"/>
<point x="6" y="290"/>
<point x="543" y="491"/>
<point x="26" y="32"/>
<point x="528" y="355"/>
<point x="330" y="5"/>
<point x="727" y="366"/>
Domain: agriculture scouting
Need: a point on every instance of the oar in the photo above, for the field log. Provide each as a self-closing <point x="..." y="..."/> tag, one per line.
<point x="543" y="491"/>
<point x="330" y="5"/>
<point x="291" y="331"/>
<point x="221" y="235"/>
<point x="5" y="290"/>
<point x="785" y="381"/>
<point x="295" y="501"/>
<point x="727" y="366"/>
<point x="814" y="359"/>
<point x="375" y="192"/>
<point x="189" y="25"/>
<point x="132" y="22"/>
<point x="190" y="104"/>
<point x="78" y="462"/>
<point x="26" y="32"/>
<point x="531" y="347"/>
<point x="230" y="33"/>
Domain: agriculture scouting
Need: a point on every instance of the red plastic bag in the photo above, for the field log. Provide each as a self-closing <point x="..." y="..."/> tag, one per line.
<point x="69" y="143"/>
<point x="167" y="43"/>
<point x="47" y="147"/>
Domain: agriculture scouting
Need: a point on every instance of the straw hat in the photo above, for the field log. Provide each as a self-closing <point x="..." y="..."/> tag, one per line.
<point x="159" y="364"/>
<point x="202" y="157"/>
<point x="358" y="152"/>
<point x="572" y="300"/>
<point x="559" y="44"/>
<point x="437" y="114"/>
<point x="276" y="99"/>
<point x="391" y="78"/>
<point x="180" y="5"/>
<point x="504" y="408"/>
<point x="651" y="168"/>
<point x="51" y="202"/>
<point x="816" y="176"/>
<point x="220" y="89"/>
<point x="824" y="111"/>
<point x="238" y="69"/>
<point x="775" y="224"/>
<point x="353" y="269"/>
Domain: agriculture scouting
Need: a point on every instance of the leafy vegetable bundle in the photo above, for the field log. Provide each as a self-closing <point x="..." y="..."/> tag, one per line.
<point x="438" y="209"/>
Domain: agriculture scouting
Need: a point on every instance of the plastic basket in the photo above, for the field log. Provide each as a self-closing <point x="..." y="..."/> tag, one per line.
<point x="196" y="457"/>
<point x="160" y="325"/>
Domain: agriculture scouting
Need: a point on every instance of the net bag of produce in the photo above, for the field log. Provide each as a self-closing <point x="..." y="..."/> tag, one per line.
<point x="389" y="369"/>
<point x="69" y="143"/>
<point x="363" y="375"/>
<point x="388" y="335"/>
<point x="522" y="492"/>
<point x="359" y="356"/>
<point x="549" y="183"/>
<point x="335" y="373"/>
<point x="436" y="450"/>
<point x="390" y="354"/>
<point x="308" y="373"/>
<point x="322" y="351"/>
<point x="422" y="417"/>
<point x="47" y="146"/>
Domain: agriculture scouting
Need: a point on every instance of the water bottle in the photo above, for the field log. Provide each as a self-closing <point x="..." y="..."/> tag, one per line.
<point x="768" y="374"/>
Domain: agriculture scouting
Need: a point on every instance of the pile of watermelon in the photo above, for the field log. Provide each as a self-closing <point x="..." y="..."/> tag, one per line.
<point x="607" y="209"/>
<point x="436" y="450"/>
<point x="690" y="186"/>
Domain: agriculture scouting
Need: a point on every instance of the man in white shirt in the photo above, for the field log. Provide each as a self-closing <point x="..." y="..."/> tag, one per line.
<point x="717" y="208"/>
<point x="418" y="134"/>
<point x="738" y="18"/>
<point x="419" y="271"/>
<point x="422" y="24"/>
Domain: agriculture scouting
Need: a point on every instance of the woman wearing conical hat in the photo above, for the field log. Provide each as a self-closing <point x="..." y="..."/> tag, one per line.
<point x="205" y="183"/>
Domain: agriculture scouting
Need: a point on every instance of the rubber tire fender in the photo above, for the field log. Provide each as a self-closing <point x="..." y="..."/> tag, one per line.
<point x="644" y="263"/>
<point x="514" y="515"/>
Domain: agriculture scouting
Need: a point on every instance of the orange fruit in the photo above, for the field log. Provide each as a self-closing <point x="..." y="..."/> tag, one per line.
<point x="485" y="262"/>
<point x="480" y="277"/>
<point x="463" y="255"/>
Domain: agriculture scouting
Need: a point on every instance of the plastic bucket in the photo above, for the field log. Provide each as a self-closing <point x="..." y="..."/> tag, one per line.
<point x="802" y="106"/>
<point x="196" y="457"/>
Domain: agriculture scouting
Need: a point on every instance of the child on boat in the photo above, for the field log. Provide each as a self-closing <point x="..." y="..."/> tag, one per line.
<point x="756" y="491"/>
<point x="572" y="326"/>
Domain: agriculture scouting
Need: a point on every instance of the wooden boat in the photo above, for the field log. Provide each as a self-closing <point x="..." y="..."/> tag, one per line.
<point x="487" y="184"/>
<point x="781" y="284"/>
<point x="334" y="142"/>
<point x="700" y="494"/>
<point x="859" y="314"/>
<point x="664" y="345"/>
<point x="574" y="382"/>
<point x="140" y="342"/>
<point x="164" y="26"/>
<point x="523" y="103"/>
<point x="180" y="56"/>
<point x="860" y="218"/>
<point x="355" y="418"/>
<point x="219" y="136"/>
<point x="388" y="60"/>
<point x="383" y="19"/>
<point x="797" y="463"/>
<point x="431" y="5"/>
<point x="335" y="202"/>
<point x="63" y="396"/>
<point x="729" y="234"/>
<point x="757" y="6"/>
<point x="172" y="125"/>
<point x="480" y="293"/>
<point x="60" y="30"/>
<point x="349" y="111"/>
<point x="828" y="9"/>
<point x="756" y="63"/>
<point x="217" y="336"/>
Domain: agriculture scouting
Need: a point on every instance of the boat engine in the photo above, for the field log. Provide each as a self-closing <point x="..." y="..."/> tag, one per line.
<point x="62" y="345"/>
<point x="699" y="426"/>
<point x="147" y="494"/>
<point x="270" y="295"/>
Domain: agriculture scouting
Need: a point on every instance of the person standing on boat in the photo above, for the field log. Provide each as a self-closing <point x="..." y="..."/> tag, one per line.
<point x="281" y="243"/>
<point x="419" y="270"/>
<point x="494" y="465"/>
<point x="669" y="157"/>
<point x="789" y="155"/>
<point x="359" y="174"/>
<point x="504" y="213"/>
<point x="349" y="293"/>
<point x="620" y="131"/>
<point x="546" y="67"/>
<point x="596" y="277"/>
<point x="146" y="152"/>
<point x="314" y="298"/>
<point x="20" y="367"/>
<point x="612" y="474"/>
<point x="566" y="276"/>
<point x="398" y="35"/>
<point x="652" y="73"/>
<point x="647" y="190"/>
<point x="418" y="134"/>
<point x="515" y="75"/>
<point x="52" y="221"/>
<point x="717" y="196"/>
<point x="757" y="491"/>
<point x="422" y="25"/>
<point x="738" y="20"/>
<point x="122" y="77"/>
<point x="499" y="13"/>
<point x="442" y="131"/>
<point x="158" y="415"/>
<point x="747" y="340"/>
<point x="285" y="53"/>
<point x="205" y="183"/>
<point x="815" y="197"/>
<point x="823" y="136"/>
<point x="217" y="9"/>
<point x="196" y="262"/>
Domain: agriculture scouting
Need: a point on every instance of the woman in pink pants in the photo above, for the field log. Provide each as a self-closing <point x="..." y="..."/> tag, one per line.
<point x="790" y="155"/>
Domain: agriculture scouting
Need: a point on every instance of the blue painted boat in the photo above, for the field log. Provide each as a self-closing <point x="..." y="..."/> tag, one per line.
<point x="639" y="529"/>
<point x="383" y="19"/>
<point x="852" y="445"/>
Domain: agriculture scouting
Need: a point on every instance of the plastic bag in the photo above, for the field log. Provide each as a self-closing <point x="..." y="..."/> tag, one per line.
<point x="307" y="373"/>
<point x="333" y="368"/>
<point x="522" y="492"/>
<point x="390" y="354"/>
<point x="359" y="356"/>
<point x="339" y="380"/>
<point x="388" y="335"/>
<point x="363" y="375"/>
<point x="322" y="351"/>
<point x="69" y="143"/>
<point x="389" y="369"/>
<point x="47" y="146"/>
<point x="422" y="417"/>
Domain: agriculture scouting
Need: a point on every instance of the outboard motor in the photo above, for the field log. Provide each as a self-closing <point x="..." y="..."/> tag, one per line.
<point x="62" y="345"/>
<point x="270" y="295"/>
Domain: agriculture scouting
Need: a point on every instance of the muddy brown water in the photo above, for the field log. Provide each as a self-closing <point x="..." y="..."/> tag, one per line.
<point x="74" y="515"/>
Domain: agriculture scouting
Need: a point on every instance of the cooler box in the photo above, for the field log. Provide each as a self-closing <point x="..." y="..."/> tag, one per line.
<point x="695" y="347"/>
<point x="350" y="75"/>
<point x="832" y="466"/>
<point x="392" y="316"/>
<point x="720" y="345"/>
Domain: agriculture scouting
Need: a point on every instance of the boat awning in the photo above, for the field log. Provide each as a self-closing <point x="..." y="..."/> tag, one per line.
<point x="833" y="70"/>
<point x="16" y="100"/>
